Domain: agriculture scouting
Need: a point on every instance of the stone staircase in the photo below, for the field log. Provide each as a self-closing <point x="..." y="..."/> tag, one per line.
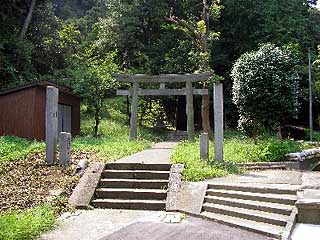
<point x="133" y="186"/>
<point x="177" y="135"/>
<point x="262" y="210"/>
<point x="262" y="166"/>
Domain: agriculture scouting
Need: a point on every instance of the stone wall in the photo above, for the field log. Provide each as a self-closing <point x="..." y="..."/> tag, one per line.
<point x="307" y="159"/>
<point x="304" y="155"/>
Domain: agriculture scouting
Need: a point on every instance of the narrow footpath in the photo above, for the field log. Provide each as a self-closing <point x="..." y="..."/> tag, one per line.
<point x="159" y="153"/>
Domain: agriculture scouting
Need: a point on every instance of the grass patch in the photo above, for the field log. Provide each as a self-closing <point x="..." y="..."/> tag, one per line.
<point x="108" y="148"/>
<point x="237" y="149"/>
<point x="26" y="224"/>
<point x="14" y="148"/>
<point x="240" y="149"/>
<point x="196" y="169"/>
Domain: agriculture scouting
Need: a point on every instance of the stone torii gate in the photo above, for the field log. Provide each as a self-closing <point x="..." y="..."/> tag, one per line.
<point x="162" y="79"/>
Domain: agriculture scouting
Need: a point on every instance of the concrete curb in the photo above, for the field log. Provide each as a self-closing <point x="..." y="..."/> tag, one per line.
<point x="289" y="165"/>
<point x="84" y="191"/>
<point x="290" y="225"/>
<point x="189" y="199"/>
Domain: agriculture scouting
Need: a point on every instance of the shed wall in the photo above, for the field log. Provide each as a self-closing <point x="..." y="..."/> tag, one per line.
<point x="17" y="113"/>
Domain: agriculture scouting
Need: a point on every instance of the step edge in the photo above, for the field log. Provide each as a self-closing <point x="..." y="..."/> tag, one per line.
<point x="110" y="200"/>
<point x="135" y="170"/>
<point x="272" y="205"/>
<point x="139" y="190"/>
<point x="276" y="234"/>
<point x="250" y="188"/>
<point x="255" y="213"/>
<point x="258" y="194"/>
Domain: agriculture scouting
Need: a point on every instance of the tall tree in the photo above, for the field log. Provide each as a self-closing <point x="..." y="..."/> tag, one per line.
<point x="199" y="30"/>
<point x="28" y="19"/>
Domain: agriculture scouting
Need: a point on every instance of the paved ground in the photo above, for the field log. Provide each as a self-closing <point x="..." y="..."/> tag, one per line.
<point x="158" y="154"/>
<point x="306" y="232"/>
<point x="275" y="178"/>
<point x="108" y="224"/>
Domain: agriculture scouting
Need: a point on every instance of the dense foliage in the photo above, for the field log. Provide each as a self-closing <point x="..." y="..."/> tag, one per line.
<point x="74" y="41"/>
<point x="265" y="88"/>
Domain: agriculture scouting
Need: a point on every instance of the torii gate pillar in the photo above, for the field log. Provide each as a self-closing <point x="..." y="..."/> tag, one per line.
<point x="134" y="111"/>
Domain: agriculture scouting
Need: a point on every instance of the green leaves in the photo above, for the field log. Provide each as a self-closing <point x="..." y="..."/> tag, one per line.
<point x="265" y="88"/>
<point x="68" y="35"/>
<point x="201" y="27"/>
<point x="215" y="9"/>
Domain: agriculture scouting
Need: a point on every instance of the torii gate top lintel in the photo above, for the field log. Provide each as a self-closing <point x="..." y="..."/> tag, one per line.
<point x="162" y="78"/>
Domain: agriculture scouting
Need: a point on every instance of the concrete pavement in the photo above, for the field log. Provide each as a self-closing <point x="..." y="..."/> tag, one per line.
<point x="109" y="224"/>
<point x="159" y="153"/>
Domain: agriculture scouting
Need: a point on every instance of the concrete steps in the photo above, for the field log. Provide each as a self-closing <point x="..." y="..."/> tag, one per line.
<point x="261" y="209"/>
<point x="156" y="205"/>
<point x="250" y="204"/>
<point x="136" y="174"/>
<point x="254" y="215"/>
<point x="270" y="167"/>
<point x="257" y="227"/>
<point x="177" y="135"/>
<point x="131" y="193"/>
<point x="266" y="197"/>
<point x="133" y="186"/>
<point x="256" y="188"/>
<point x="134" y="183"/>
<point x="263" y="166"/>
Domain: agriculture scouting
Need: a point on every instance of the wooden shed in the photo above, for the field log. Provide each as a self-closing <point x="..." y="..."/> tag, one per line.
<point x="22" y="111"/>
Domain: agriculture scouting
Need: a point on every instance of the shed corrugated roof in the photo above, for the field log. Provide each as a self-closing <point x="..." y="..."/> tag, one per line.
<point x="61" y="87"/>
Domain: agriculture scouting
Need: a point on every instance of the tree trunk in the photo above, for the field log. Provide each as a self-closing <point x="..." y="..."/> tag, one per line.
<point x="181" y="116"/>
<point x="128" y="110"/>
<point x="205" y="108"/>
<point x="27" y="20"/>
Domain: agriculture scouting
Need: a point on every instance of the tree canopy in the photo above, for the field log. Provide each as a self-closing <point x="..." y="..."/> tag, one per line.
<point x="146" y="36"/>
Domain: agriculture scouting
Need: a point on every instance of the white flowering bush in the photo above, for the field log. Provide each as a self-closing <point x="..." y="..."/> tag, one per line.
<point x="265" y="88"/>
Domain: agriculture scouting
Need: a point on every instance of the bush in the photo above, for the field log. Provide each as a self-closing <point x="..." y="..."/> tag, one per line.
<point x="274" y="150"/>
<point x="265" y="88"/>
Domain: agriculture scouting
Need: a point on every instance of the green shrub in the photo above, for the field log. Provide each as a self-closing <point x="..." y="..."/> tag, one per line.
<point x="275" y="149"/>
<point x="315" y="135"/>
<point x="265" y="88"/>
<point x="27" y="224"/>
